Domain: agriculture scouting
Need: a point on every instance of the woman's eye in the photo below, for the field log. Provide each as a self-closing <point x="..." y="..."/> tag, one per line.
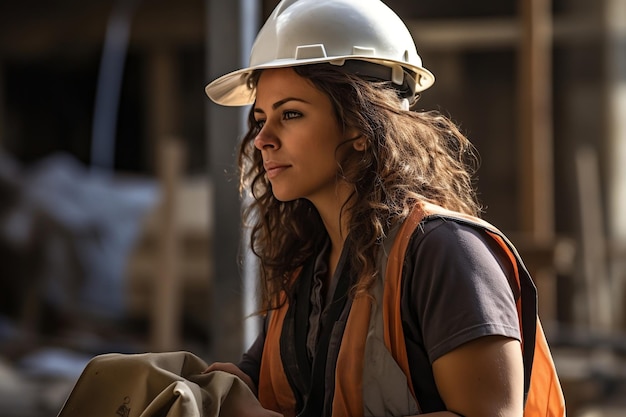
<point x="260" y="123"/>
<point x="290" y="114"/>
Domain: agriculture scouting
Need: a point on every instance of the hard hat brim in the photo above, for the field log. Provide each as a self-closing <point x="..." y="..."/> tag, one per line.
<point x="232" y="89"/>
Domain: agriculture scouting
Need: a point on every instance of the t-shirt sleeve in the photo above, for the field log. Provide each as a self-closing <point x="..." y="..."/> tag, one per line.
<point x="458" y="287"/>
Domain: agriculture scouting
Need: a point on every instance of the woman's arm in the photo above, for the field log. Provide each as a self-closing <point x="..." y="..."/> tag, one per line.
<point x="482" y="378"/>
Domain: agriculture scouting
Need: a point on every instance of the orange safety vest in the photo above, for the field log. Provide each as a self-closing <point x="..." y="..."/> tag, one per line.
<point x="353" y="396"/>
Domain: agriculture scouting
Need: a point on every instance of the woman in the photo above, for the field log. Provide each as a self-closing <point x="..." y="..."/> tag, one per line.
<point x="383" y="293"/>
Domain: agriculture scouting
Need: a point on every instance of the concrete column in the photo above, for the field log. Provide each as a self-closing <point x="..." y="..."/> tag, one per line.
<point x="616" y="116"/>
<point x="3" y="128"/>
<point x="615" y="15"/>
<point x="231" y="27"/>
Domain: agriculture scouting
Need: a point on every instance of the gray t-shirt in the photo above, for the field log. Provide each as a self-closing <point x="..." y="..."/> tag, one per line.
<point x="455" y="289"/>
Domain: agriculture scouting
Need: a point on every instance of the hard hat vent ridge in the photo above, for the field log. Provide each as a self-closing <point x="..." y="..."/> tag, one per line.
<point x="310" y="52"/>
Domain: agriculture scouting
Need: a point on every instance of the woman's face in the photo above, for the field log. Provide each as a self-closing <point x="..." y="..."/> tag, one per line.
<point x="298" y="138"/>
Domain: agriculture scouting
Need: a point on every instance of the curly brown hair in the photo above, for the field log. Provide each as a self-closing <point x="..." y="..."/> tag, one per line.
<point x="410" y="156"/>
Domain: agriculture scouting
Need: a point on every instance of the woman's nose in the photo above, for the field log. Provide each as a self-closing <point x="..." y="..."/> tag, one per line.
<point x="266" y="138"/>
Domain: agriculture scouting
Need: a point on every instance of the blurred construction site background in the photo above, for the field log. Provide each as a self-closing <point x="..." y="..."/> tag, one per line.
<point x="119" y="209"/>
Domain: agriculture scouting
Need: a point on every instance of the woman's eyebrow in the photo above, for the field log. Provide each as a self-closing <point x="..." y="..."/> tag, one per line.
<point x="286" y="100"/>
<point x="281" y="103"/>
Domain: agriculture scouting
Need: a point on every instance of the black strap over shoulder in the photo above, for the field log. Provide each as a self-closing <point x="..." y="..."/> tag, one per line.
<point x="293" y="340"/>
<point x="306" y="378"/>
<point x="314" y="406"/>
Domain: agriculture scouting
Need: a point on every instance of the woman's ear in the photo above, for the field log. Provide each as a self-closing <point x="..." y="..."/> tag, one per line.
<point x="358" y="140"/>
<point x="359" y="144"/>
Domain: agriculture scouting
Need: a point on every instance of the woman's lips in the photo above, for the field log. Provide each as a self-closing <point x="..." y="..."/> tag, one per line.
<point x="273" y="169"/>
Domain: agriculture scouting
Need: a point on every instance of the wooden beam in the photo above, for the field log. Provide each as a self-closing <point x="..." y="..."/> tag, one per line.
<point x="166" y="308"/>
<point x="163" y="125"/>
<point x="163" y="101"/>
<point x="21" y="34"/>
<point x="166" y="321"/>
<point x="535" y="123"/>
<point x="464" y="33"/>
<point x="36" y="32"/>
<point x="535" y="164"/>
<point x="493" y="33"/>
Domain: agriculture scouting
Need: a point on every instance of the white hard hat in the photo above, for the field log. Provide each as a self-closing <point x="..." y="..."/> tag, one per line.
<point x="300" y="32"/>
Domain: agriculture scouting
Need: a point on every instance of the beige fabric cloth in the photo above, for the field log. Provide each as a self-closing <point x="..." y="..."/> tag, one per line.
<point x="156" y="384"/>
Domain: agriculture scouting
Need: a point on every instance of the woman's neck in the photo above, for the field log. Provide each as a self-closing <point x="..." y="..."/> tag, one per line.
<point x="337" y="231"/>
<point x="336" y="220"/>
